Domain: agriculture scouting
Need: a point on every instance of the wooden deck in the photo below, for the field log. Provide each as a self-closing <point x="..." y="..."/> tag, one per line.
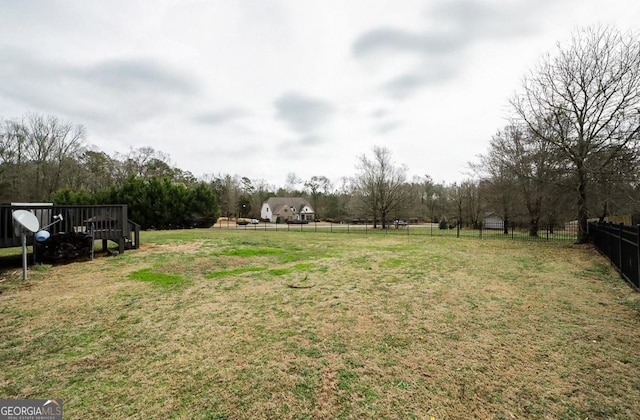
<point x="104" y="222"/>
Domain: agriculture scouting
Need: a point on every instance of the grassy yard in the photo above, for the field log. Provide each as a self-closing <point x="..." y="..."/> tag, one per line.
<point x="253" y="324"/>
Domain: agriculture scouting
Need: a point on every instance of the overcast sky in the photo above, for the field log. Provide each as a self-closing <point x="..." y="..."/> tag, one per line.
<point x="264" y="88"/>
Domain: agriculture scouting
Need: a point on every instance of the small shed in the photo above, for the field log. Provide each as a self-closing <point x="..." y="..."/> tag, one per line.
<point x="493" y="220"/>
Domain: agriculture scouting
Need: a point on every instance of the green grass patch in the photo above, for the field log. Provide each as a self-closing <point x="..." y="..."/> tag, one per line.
<point x="234" y="272"/>
<point x="159" y="279"/>
<point x="393" y="263"/>
<point x="251" y="252"/>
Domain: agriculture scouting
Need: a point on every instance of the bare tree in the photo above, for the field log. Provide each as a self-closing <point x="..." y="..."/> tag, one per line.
<point x="13" y="164"/>
<point x="457" y="200"/>
<point x="498" y="185"/>
<point x="613" y="187"/>
<point x="520" y="156"/>
<point x="473" y="206"/>
<point x="228" y="189"/>
<point x="98" y="171"/>
<point x="261" y="192"/>
<point x="316" y="187"/>
<point x="585" y="102"/>
<point x="35" y="153"/>
<point x="144" y="162"/>
<point x="381" y="184"/>
<point x="364" y="184"/>
<point x="291" y="182"/>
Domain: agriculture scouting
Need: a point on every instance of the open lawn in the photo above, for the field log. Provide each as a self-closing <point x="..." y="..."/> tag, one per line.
<point x="223" y="324"/>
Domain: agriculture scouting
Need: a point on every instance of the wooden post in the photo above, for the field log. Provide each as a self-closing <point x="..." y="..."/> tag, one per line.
<point x="137" y="236"/>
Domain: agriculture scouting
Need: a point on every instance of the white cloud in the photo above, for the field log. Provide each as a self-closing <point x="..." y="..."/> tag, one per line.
<point x="303" y="113"/>
<point x="283" y="86"/>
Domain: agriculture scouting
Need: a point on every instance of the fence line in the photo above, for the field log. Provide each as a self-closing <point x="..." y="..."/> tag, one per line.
<point x="621" y="244"/>
<point x="515" y="231"/>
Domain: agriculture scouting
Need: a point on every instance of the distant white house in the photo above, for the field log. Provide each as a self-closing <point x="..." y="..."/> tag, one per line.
<point x="492" y="221"/>
<point x="287" y="208"/>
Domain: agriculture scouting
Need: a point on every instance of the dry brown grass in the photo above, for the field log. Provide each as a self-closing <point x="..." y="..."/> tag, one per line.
<point x="386" y="327"/>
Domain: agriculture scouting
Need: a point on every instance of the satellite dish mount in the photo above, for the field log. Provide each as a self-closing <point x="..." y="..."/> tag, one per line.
<point x="28" y="222"/>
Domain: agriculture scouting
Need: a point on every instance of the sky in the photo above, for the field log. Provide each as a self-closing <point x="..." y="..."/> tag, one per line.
<point x="266" y="88"/>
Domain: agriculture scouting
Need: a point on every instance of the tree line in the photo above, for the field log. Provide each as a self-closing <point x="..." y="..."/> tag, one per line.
<point x="570" y="151"/>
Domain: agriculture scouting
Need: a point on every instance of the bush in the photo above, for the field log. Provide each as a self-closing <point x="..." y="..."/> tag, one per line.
<point x="443" y="224"/>
<point x="154" y="202"/>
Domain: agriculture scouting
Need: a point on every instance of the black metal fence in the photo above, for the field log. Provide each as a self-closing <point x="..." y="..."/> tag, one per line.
<point x="514" y="231"/>
<point x="621" y="244"/>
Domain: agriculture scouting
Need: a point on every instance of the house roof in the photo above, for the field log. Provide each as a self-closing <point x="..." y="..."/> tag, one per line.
<point x="278" y="203"/>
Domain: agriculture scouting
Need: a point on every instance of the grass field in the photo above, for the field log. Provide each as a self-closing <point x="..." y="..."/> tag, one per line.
<point x="222" y="324"/>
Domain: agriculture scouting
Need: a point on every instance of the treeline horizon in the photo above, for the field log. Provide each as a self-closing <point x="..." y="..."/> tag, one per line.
<point x="72" y="174"/>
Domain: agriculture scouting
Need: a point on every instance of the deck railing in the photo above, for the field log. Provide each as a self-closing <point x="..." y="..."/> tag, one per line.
<point x="104" y="222"/>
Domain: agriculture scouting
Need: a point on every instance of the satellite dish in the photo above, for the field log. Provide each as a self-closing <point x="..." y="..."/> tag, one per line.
<point x="41" y="235"/>
<point x="27" y="220"/>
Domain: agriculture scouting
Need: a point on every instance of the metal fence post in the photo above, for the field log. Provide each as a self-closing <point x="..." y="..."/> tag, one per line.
<point x="638" y="255"/>
<point x="620" y="248"/>
<point x="610" y="237"/>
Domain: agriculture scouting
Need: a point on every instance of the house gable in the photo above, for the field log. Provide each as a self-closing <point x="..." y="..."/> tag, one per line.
<point x="288" y="208"/>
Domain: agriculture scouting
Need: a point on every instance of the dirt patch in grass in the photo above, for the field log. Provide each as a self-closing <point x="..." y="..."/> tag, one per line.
<point x="392" y="327"/>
